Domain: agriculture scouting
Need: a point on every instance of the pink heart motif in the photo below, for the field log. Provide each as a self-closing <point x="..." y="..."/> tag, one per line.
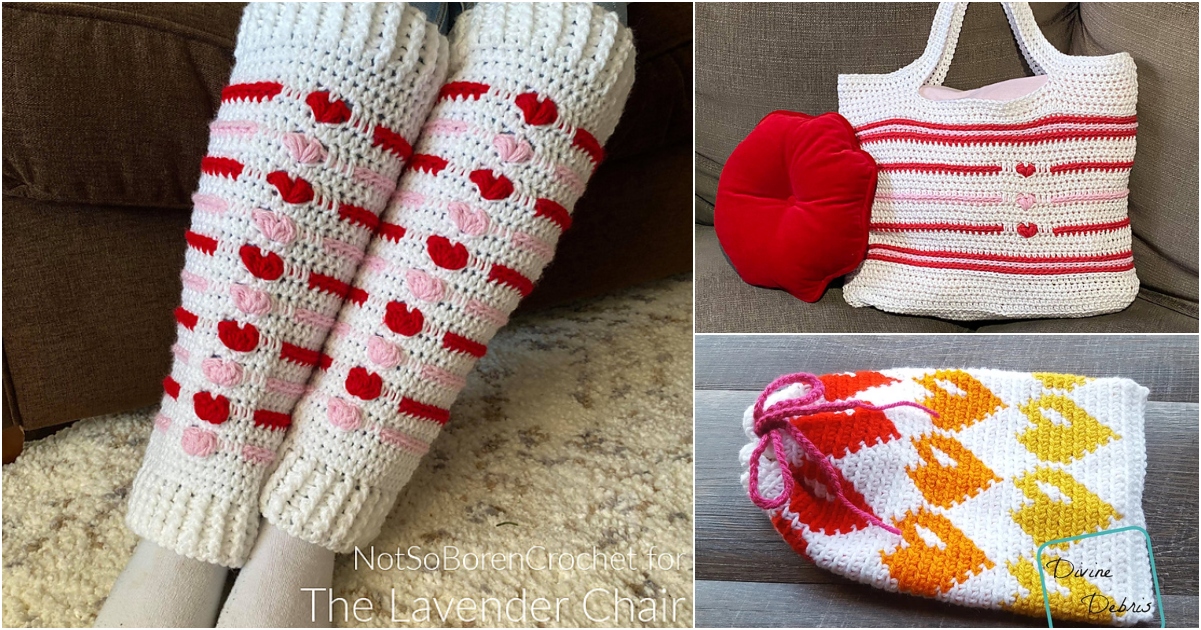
<point x="274" y="226"/>
<point x="303" y="149"/>
<point x="469" y="221"/>
<point x="1025" y="200"/>
<point x="343" y="415"/>
<point x="424" y="286"/>
<point x="250" y="301"/>
<point x="512" y="149"/>
<point x="199" y="442"/>
<point x="383" y="353"/>
<point x="221" y="372"/>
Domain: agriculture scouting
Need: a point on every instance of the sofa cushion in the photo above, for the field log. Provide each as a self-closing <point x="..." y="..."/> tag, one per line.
<point x="1162" y="38"/>
<point x="754" y="58"/>
<point x="724" y="303"/>
<point x="109" y="104"/>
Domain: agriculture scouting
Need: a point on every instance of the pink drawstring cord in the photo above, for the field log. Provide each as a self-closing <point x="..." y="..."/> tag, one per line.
<point x="770" y="424"/>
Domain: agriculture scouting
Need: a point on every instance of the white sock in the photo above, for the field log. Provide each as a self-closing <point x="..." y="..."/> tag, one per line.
<point x="160" y="588"/>
<point x="268" y="591"/>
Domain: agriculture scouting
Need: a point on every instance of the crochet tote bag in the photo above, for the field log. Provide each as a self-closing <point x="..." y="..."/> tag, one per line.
<point x="990" y="208"/>
<point x="944" y="483"/>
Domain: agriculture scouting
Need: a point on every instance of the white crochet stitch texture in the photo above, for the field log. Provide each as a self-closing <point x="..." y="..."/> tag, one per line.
<point x="1028" y="220"/>
<point x="1011" y="461"/>
<point x="533" y="93"/>
<point x="305" y="152"/>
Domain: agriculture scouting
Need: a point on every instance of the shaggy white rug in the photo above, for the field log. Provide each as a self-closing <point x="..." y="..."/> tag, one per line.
<point x="573" y="438"/>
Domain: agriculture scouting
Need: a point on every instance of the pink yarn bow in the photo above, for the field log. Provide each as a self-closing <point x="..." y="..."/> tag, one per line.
<point x="771" y="423"/>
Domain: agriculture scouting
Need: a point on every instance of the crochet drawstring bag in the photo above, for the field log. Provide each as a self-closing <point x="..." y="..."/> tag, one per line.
<point x="945" y="483"/>
<point x="1003" y="202"/>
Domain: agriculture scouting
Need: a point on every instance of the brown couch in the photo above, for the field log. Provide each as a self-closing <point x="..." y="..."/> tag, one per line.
<point x="755" y="58"/>
<point x="105" y="121"/>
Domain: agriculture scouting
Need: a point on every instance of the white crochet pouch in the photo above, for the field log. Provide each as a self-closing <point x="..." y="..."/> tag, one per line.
<point x="970" y="486"/>
<point x="1003" y="202"/>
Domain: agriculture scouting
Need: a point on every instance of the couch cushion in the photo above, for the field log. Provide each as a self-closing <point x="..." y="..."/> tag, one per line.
<point x="754" y="58"/>
<point x="1162" y="38"/>
<point x="724" y="303"/>
<point x="1150" y="313"/>
<point x="109" y="104"/>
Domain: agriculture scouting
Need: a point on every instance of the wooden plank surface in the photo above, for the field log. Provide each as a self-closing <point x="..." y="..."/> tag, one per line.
<point x="1166" y="364"/>
<point x="736" y="543"/>
<point x="743" y="604"/>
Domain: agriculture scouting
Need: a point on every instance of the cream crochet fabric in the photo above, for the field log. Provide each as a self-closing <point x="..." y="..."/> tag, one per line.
<point x="309" y="141"/>
<point x="534" y="91"/>
<point x="945" y="482"/>
<point x="998" y="209"/>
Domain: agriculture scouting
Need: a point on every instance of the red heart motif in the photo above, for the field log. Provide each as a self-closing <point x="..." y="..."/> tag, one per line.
<point x="239" y="338"/>
<point x="263" y="264"/>
<point x="492" y="186"/>
<point x="291" y="190"/>
<point x="364" y="384"/>
<point x="402" y="320"/>
<point x="212" y="408"/>
<point x="537" y="111"/>
<point x="1026" y="170"/>
<point x="1027" y="229"/>
<point x="445" y="254"/>
<point x="327" y="109"/>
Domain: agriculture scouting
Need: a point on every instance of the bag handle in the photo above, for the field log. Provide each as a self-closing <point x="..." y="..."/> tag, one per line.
<point x="944" y="37"/>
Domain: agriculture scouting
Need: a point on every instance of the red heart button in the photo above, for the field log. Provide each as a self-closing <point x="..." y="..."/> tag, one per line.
<point x="327" y="109"/>
<point x="212" y="408"/>
<point x="402" y="320"/>
<point x="445" y="254"/>
<point x="291" y="190"/>
<point x="239" y="338"/>
<point x="1026" y="170"/>
<point x="1027" y="229"/>
<point x="364" y="384"/>
<point x="492" y="186"/>
<point x="537" y="111"/>
<point x="263" y="264"/>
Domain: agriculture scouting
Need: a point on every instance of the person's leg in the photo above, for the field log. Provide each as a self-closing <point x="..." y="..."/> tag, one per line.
<point x="534" y="92"/>
<point x="309" y="141"/>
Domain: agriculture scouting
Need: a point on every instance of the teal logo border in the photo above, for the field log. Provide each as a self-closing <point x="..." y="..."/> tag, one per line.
<point x="1042" y="577"/>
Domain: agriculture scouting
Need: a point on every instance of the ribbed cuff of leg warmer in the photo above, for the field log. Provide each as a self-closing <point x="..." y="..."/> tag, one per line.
<point x="363" y="51"/>
<point x="215" y="525"/>
<point x="577" y="53"/>
<point x="313" y="501"/>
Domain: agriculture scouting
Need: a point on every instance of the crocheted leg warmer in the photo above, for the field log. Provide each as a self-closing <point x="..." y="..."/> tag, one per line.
<point x="308" y="144"/>
<point x="534" y="92"/>
<point x="946" y="483"/>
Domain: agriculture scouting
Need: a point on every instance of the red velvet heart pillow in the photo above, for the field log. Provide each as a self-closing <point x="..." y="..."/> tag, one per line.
<point x="794" y="201"/>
